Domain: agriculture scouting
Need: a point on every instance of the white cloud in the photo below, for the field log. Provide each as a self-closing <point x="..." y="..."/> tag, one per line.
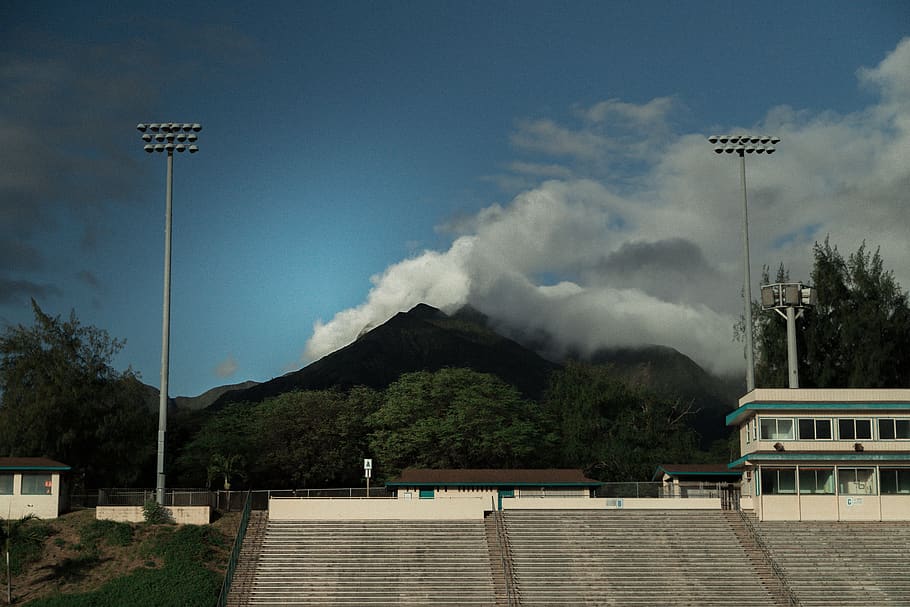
<point x="227" y="368"/>
<point x="597" y="263"/>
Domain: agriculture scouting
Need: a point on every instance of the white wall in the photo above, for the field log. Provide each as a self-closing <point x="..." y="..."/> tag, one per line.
<point x="328" y="509"/>
<point x="182" y="515"/>
<point x="17" y="506"/>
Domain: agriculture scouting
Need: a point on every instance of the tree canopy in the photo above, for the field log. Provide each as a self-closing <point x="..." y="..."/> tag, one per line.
<point x="858" y="334"/>
<point x="456" y="418"/>
<point x="62" y="399"/>
<point x="614" y="429"/>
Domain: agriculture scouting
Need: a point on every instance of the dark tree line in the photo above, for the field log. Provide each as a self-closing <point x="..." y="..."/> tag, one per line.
<point x="857" y="336"/>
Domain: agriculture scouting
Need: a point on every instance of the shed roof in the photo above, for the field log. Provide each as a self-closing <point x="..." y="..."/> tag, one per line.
<point x="479" y="477"/>
<point x="19" y="464"/>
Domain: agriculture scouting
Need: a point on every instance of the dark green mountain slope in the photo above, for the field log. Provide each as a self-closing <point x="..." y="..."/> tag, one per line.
<point x="423" y="338"/>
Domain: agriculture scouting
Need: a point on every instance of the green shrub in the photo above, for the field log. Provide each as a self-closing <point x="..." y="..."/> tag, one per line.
<point x="156" y="514"/>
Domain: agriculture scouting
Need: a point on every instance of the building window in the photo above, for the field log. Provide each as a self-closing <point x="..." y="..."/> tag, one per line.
<point x="856" y="481"/>
<point x="36" y="484"/>
<point x="426" y="494"/>
<point x="773" y="428"/>
<point x="6" y="484"/>
<point x="778" y="481"/>
<point x="816" y="481"/>
<point x="854" y="429"/>
<point x="895" y="480"/>
<point x="815" y="429"/>
<point x="890" y="429"/>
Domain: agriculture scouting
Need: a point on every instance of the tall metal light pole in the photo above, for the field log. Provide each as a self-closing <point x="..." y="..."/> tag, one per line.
<point x="742" y="145"/>
<point x="168" y="137"/>
<point x="794" y="297"/>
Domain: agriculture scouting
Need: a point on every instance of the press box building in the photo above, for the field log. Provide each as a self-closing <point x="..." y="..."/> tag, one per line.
<point x="809" y="454"/>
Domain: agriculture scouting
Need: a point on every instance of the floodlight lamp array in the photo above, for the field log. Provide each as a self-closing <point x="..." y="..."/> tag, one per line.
<point x="170" y="137"/>
<point x="744" y="144"/>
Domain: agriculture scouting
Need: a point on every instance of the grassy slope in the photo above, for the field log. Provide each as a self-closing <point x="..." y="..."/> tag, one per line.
<point x="86" y="562"/>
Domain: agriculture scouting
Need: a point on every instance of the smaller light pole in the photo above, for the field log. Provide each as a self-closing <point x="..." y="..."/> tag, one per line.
<point x="168" y="137"/>
<point x="794" y="297"/>
<point x="742" y="145"/>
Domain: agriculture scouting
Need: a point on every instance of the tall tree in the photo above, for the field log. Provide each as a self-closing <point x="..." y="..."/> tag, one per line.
<point x="62" y="399"/>
<point x="457" y="418"/>
<point x="858" y="334"/>
<point x="614" y="429"/>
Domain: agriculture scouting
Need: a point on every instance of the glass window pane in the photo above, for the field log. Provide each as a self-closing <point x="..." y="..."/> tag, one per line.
<point x="816" y="481"/>
<point x="823" y="429"/>
<point x="787" y="481"/>
<point x="845" y="429"/>
<point x="902" y="428"/>
<point x="6" y="484"/>
<point x="785" y="430"/>
<point x="864" y="429"/>
<point x="886" y="429"/>
<point x="856" y="481"/>
<point x="888" y="479"/>
<point x="806" y="429"/>
<point x="903" y="480"/>
<point x="768" y="428"/>
<point x="36" y="484"/>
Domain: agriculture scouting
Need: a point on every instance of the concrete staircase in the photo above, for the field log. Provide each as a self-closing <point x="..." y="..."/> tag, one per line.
<point x="245" y="572"/>
<point x="631" y="557"/>
<point x="843" y="563"/>
<point x="374" y="563"/>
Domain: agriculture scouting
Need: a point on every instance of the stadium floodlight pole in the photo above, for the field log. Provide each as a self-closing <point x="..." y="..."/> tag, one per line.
<point x="742" y="145"/>
<point x="167" y="137"/>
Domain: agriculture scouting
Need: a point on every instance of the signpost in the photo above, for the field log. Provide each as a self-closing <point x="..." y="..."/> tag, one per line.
<point x="367" y="470"/>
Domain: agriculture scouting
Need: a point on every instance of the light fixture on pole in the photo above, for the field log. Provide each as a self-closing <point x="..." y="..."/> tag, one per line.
<point x="794" y="297"/>
<point x="742" y="145"/>
<point x="167" y="137"/>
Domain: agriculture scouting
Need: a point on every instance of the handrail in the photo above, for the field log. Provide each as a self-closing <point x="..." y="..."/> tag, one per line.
<point x="235" y="551"/>
<point x="776" y="570"/>
<point x="505" y="558"/>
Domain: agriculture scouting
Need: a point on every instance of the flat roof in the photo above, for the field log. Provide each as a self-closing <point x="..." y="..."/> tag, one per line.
<point x="828" y="457"/>
<point x="484" y="477"/>
<point x="20" y="464"/>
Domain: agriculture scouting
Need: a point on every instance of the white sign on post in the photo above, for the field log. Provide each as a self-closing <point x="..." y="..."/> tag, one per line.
<point x="367" y="464"/>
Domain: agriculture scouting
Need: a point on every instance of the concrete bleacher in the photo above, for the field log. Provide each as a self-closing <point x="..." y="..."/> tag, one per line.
<point x="842" y="563"/>
<point x="631" y="557"/>
<point x="373" y="563"/>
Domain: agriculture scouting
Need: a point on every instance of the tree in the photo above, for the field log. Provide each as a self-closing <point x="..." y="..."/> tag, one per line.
<point x="312" y="438"/>
<point x="858" y="335"/>
<point x="456" y="418"/>
<point x="614" y="429"/>
<point x="62" y="399"/>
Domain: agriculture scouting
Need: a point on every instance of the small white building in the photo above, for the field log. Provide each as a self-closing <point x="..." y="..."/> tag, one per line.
<point x="493" y="484"/>
<point x="31" y="485"/>
<point x="812" y="454"/>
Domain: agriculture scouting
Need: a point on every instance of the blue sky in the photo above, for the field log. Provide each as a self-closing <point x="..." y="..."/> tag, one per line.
<point x="543" y="161"/>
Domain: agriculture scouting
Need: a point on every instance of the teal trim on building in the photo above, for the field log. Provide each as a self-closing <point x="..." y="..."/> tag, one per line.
<point x="400" y="484"/>
<point x="795" y="457"/>
<point x="735" y="417"/>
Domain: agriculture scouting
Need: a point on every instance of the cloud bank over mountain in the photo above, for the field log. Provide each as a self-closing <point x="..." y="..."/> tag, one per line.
<point x="625" y="232"/>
